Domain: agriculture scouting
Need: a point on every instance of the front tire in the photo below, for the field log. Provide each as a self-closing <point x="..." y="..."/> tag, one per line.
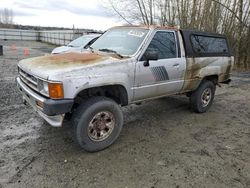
<point x="202" y="98"/>
<point x="97" y="123"/>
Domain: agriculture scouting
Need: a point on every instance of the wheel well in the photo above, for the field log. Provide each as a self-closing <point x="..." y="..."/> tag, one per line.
<point x="116" y="92"/>
<point x="213" y="78"/>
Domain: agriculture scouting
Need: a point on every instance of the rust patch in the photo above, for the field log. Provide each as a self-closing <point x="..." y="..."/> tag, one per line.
<point x="192" y="78"/>
<point x="190" y="75"/>
<point x="76" y="57"/>
<point x="67" y="60"/>
<point x="226" y="75"/>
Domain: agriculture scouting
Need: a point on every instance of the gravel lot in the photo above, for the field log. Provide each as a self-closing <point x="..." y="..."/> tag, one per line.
<point x="162" y="143"/>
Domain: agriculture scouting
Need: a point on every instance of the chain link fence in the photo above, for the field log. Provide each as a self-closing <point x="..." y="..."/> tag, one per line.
<point x="58" y="37"/>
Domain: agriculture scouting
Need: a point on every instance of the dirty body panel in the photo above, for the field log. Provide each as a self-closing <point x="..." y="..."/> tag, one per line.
<point x="80" y="71"/>
<point x="199" y="68"/>
<point x="45" y="66"/>
<point x="207" y="54"/>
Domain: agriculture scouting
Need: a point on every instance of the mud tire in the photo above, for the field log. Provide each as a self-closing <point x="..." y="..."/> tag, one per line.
<point x="83" y="116"/>
<point x="196" y="101"/>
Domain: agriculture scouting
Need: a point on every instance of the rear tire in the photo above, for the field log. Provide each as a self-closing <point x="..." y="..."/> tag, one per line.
<point x="97" y="123"/>
<point x="202" y="98"/>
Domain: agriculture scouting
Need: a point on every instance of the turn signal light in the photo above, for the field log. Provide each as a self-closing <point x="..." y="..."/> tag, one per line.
<point x="56" y="90"/>
<point x="40" y="104"/>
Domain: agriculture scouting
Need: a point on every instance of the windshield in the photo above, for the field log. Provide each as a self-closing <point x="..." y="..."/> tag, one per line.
<point x="81" y="41"/>
<point x="124" y="41"/>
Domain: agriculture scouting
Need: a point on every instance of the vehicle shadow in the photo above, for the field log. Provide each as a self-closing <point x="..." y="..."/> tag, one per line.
<point x="148" y="115"/>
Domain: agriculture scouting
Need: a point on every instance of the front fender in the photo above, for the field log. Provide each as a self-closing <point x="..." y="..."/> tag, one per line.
<point x="103" y="80"/>
<point x="73" y="87"/>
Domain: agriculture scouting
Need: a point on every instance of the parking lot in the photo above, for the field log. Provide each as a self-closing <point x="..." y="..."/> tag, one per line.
<point x="162" y="144"/>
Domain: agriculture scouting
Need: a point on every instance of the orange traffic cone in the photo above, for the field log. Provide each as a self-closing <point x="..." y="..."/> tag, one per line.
<point x="26" y="52"/>
<point x="13" y="47"/>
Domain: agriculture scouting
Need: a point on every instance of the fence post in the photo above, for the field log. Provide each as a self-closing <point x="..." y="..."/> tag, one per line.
<point x="4" y="35"/>
<point x="1" y="50"/>
<point x="38" y="35"/>
<point x="63" y="39"/>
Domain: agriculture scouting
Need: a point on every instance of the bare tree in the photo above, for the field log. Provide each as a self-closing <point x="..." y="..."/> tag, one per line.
<point x="6" y="17"/>
<point x="229" y="17"/>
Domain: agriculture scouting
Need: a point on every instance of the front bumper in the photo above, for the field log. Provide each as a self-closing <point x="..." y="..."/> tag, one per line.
<point x="52" y="111"/>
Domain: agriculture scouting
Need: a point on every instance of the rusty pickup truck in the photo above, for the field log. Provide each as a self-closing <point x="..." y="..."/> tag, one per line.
<point x="126" y="65"/>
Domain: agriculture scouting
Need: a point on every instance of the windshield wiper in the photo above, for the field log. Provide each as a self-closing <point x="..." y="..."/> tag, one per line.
<point x="111" y="51"/>
<point x="91" y="49"/>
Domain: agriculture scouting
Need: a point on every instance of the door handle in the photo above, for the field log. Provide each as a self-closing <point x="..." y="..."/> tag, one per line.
<point x="176" y="65"/>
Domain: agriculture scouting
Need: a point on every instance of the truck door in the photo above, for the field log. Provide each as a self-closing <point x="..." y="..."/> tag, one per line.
<point x="163" y="76"/>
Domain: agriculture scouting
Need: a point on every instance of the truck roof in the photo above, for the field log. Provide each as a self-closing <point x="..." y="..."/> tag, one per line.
<point x="184" y="31"/>
<point x="186" y="36"/>
<point x="150" y="27"/>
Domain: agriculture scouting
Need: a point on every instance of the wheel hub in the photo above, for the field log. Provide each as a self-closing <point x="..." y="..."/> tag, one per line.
<point x="206" y="97"/>
<point x="101" y="126"/>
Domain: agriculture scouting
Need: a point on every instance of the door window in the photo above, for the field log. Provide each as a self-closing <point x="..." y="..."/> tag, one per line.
<point x="206" y="44"/>
<point x="164" y="44"/>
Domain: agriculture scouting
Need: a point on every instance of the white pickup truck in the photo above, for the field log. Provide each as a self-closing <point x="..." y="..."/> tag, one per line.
<point x="126" y="65"/>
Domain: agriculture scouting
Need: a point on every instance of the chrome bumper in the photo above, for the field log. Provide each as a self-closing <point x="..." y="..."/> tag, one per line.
<point x="32" y="98"/>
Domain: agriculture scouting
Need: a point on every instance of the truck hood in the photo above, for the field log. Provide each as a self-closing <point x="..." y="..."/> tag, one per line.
<point x="63" y="49"/>
<point x="45" y="66"/>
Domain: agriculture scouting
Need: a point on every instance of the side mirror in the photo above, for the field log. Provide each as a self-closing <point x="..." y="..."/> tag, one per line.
<point x="150" y="55"/>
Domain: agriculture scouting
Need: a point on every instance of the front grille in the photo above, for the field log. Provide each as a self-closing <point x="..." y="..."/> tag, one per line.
<point x="28" y="79"/>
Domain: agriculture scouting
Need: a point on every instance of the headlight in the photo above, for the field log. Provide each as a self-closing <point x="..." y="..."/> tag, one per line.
<point x="53" y="90"/>
<point x="43" y="87"/>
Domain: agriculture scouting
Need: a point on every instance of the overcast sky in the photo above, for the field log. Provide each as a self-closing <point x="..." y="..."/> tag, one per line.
<point x="89" y="14"/>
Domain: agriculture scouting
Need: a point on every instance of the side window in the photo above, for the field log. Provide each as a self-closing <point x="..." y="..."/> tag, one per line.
<point x="206" y="44"/>
<point x="164" y="43"/>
